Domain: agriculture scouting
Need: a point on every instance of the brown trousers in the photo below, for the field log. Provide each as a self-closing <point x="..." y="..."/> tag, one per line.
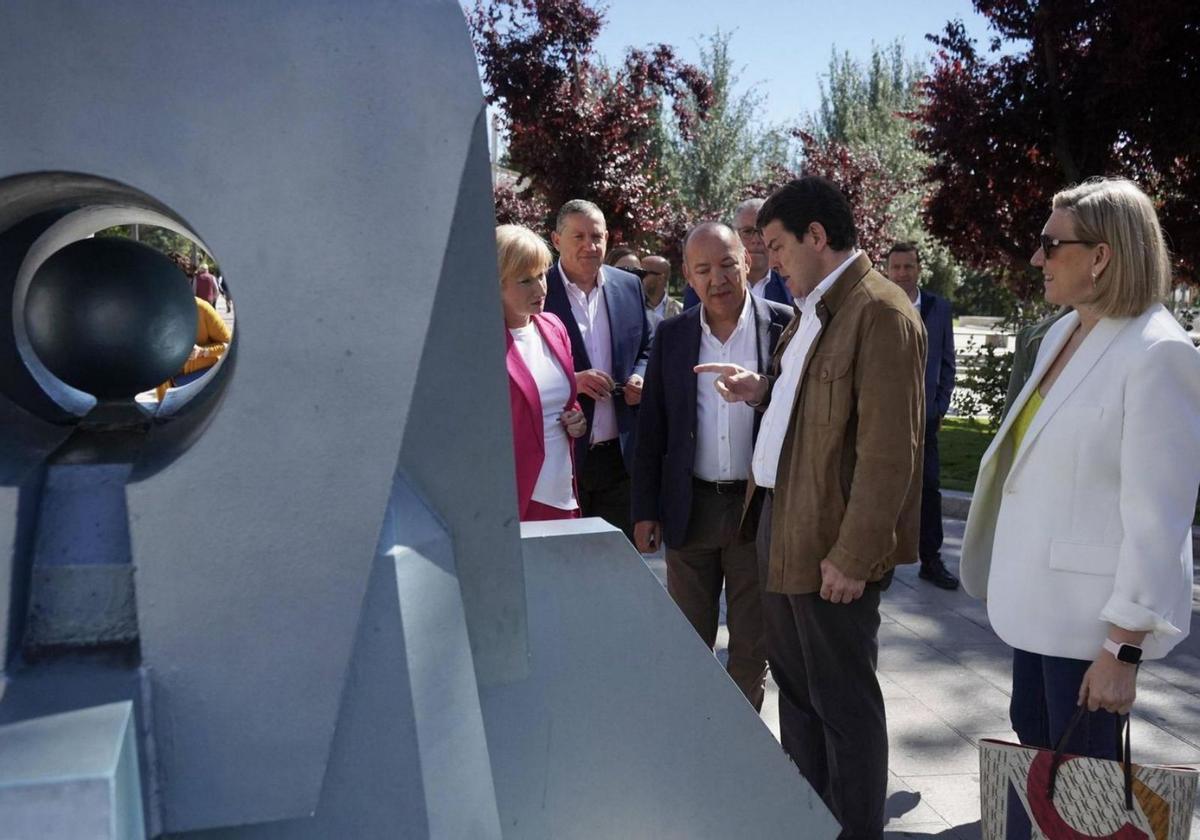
<point x="714" y="554"/>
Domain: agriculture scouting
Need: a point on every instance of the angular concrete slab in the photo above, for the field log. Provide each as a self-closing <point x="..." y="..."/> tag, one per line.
<point x="627" y="725"/>
<point x="72" y="776"/>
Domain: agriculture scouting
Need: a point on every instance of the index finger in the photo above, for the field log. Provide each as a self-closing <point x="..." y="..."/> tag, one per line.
<point x="717" y="367"/>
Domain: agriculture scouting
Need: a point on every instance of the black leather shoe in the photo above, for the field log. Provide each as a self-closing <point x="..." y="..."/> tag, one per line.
<point x="935" y="572"/>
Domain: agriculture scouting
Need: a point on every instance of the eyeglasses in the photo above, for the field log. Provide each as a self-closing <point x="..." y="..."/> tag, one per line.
<point x="749" y="231"/>
<point x="1049" y="243"/>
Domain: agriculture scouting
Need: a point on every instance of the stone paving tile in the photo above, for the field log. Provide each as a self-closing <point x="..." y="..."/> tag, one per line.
<point x="946" y="626"/>
<point x="961" y="699"/>
<point x="1164" y="705"/>
<point x="975" y="611"/>
<point x="1154" y="745"/>
<point x="954" y="798"/>
<point x="921" y="744"/>
<point x="900" y="649"/>
<point x="906" y="806"/>
<point x="991" y="662"/>
<point x="890" y="688"/>
<point x="1181" y="670"/>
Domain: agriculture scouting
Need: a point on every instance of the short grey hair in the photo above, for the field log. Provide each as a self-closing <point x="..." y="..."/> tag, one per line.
<point x="753" y="204"/>
<point x="576" y="205"/>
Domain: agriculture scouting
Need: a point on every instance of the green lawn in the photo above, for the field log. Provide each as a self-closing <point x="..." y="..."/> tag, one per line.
<point x="962" y="443"/>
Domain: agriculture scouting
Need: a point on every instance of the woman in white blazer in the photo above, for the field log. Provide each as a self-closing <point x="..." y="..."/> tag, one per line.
<point x="1079" y="532"/>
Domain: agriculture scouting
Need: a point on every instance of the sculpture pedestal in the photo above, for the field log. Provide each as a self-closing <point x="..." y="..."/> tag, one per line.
<point x="72" y="776"/>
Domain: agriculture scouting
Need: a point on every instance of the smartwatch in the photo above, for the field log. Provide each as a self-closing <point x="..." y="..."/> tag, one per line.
<point x="1129" y="654"/>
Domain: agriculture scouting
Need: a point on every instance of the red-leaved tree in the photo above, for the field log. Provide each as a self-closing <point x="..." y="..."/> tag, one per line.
<point x="868" y="185"/>
<point x="1104" y="87"/>
<point x="575" y="128"/>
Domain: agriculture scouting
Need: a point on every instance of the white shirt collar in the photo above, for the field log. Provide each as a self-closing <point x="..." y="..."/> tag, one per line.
<point x="567" y="280"/>
<point x="809" y="303"/>
<point x="743" y="316"/>
<point x="917" y="302"/>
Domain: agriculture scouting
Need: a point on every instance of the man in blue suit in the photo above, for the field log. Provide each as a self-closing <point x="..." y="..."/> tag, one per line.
<point x="694" y="450"/>
<point x="603" y="311"/>
<point x="904" y="269"/>
<point x="763" y="281"/>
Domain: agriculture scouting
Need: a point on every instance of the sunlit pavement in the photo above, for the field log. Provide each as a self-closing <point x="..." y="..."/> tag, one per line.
<point x="946" y="680"/>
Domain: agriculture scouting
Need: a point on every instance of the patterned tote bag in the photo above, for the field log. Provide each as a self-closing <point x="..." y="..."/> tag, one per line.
<point x="1067" y="797"/>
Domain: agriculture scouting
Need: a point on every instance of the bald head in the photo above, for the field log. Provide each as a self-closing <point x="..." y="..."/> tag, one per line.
<point x="706" y="230"/>
<point x="715" y="265"/>
<point x="654" y="281"/>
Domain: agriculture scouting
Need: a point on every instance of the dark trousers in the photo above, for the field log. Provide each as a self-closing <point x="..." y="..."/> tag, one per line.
<point x="930" y="544"/>
<point x="1044" y="694"/>
<point x="714" y="554"/>
<point x="831" y="715"/>
<point x="604" y="486"/>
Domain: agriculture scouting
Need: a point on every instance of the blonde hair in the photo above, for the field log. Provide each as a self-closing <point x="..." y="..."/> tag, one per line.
<point x="520" y="252"/>
<point x="1115" y="211"/>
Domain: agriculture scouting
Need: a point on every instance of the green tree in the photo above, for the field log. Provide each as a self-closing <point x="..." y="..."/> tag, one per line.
<point x="711" y="167"/>
<point x="868" y="106"/>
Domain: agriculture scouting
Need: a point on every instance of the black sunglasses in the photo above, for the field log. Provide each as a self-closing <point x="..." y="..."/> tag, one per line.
<point x="1049" y="243"/>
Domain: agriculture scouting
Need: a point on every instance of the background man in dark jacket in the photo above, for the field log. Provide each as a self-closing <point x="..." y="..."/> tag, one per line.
<point x="904" y="269"/>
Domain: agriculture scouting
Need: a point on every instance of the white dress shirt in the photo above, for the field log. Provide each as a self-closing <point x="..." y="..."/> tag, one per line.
<point x="591" y="314"/>
<point x="553" y="487"/>
<point x="783" y="395"/>
<point x="724" y="430"/>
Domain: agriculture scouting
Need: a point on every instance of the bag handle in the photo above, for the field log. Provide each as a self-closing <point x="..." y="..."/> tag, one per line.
<point x="1123" y="728"/>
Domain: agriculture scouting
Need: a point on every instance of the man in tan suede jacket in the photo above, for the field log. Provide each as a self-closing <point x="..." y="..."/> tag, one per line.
<point x="837" y="472"/>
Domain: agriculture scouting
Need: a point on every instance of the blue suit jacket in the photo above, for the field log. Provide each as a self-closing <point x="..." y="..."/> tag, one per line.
<point x="776" y="291"/>
<point x="939" y="363"/>
<point x="630" y="332"/>
<point x="666" y="444"/>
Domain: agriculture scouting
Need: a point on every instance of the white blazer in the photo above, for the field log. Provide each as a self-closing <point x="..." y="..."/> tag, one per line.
<point x="1089" y="521"/>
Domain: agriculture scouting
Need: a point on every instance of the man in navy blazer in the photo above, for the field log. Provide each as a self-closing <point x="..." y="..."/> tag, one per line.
<point x="694" y="449"/>
<point x="763" y="281"/>
<point x="605" y="316"/>
<point x="904" y="269"/>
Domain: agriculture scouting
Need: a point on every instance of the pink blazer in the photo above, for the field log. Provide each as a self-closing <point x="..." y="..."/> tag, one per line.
<point x="529" y="442"/>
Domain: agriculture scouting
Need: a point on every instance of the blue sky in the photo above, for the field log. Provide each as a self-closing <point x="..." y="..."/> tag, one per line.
<point x="783" y="46"/>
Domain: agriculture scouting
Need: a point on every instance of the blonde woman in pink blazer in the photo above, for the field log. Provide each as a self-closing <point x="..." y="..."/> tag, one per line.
<point x="541" y="381"/>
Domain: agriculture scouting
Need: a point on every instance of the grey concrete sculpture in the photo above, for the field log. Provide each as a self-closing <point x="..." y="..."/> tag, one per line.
<point x="302" y="576"/>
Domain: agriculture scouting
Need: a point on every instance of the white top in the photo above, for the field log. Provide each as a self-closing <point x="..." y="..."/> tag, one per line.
<point x="591" y="314"/>
<point x="917" y="302"/>
<point x="724" y="430"/>
<point x="783" y="395"/>
<point x="553" y="485"/>
<point x="1088" y="521"/>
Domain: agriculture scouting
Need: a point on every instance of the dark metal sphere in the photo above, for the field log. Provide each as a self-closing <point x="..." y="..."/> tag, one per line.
<point x="111" y="316"/>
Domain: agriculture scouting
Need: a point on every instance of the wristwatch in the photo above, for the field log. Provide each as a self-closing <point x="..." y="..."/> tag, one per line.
<point x="1129" y="654"/>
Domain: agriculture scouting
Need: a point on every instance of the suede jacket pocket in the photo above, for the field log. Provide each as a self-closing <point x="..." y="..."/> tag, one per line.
<point x="828" y="389"/>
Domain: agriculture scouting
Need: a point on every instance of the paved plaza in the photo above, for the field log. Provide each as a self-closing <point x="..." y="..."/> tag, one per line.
<point x="945" y="679"/>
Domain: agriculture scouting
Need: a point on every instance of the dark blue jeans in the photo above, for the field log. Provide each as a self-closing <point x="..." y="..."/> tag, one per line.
<point x="1045" y="692"/>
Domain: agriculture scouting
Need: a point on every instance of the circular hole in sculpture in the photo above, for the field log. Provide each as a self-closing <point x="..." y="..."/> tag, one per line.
<point x="114" y="297"/>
